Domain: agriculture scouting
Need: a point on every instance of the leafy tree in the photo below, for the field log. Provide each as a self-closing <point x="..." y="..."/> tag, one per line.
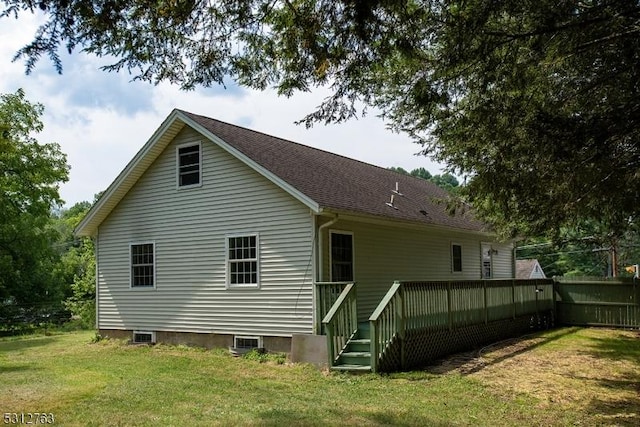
<point x="535" y="101"/>
<point x="446" y="181"/>
<point x="82" y="302"/>
<point x="421" y="173"/>
<point x="30" y="174"/>
<point x="399" y="170"/>
<point x="587" y="250"/>
<point x="76" y="267"/>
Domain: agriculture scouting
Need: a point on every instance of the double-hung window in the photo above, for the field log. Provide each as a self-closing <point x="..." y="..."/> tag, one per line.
<point x="142" y="257"/>
<point x="189" y="161"/>
<point x="243" y="261"/>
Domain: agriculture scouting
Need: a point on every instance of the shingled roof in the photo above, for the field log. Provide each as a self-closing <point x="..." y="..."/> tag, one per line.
<point x="338" y="183"/>
<point x="323" y="181"/>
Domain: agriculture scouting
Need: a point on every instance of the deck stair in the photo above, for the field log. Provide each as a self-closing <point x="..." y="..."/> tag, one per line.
<point x="356" y="356"/>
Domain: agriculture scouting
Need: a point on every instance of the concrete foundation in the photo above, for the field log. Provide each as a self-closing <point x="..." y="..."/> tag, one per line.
<point x="310" y="349"/>
<point x="272" y="344"/>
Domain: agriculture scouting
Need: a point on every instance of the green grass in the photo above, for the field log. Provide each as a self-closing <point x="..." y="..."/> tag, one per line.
<point x="110" y="383"/>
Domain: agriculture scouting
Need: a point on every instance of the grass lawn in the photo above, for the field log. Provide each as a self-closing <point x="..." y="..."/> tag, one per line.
<point x="563" y="377"/>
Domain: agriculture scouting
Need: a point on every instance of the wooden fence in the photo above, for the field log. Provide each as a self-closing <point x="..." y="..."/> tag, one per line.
<point x="598" y="302"/>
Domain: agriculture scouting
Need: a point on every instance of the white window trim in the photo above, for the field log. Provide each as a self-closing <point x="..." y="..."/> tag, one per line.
<point x="246" y="337"/>
<point x="461" y="258"/>
<point x="227" y="262"/>
<point x="353" y="253"/>
<point x="490" y="246"/>
<point x="178" y="147"/>
<point x="155" y="265"/>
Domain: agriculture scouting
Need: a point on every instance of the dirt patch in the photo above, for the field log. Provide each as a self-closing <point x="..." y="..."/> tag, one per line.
<point x="591" y="372"/>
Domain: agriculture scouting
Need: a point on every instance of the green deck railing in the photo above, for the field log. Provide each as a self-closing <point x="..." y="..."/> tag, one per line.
<point x="341" y="322"/>
<point x="440" y="306"/>
<point x="327" y="294"/>
<point x="387" y="324"/>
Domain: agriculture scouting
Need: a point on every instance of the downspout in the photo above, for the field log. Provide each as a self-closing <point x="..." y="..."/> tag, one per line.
<point x="96" y="245"/>
<point x="320" y="229"/>
<point x="319" y="268"/>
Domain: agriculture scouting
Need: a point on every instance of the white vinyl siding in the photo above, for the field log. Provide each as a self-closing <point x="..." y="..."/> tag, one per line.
<point x="190" y="230"/>
<point x="502" y="260"/>
<point x="384" y="254"/>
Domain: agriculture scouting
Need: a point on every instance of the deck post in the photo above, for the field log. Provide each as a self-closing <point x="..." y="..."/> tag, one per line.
<point x="401" y="322"/>
<point x="317" y="300"/>
<point x="513" y="297"/>
<point x="373" y="335"/>
<point x="486" y="309"/>
<point x="535" y="287"/>
<point x="450" y="315"/>
<point x="636" y="301"/>
<point x="330" y="343"/>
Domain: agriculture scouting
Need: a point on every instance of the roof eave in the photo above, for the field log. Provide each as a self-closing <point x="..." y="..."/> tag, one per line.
<point x="130" y="174"/>
<point x="375" y="219"/>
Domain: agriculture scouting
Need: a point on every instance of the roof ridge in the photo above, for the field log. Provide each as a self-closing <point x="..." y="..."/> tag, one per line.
<point x="308" y="147"/>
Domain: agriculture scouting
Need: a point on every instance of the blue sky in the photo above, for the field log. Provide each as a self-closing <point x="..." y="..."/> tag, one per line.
<point x="102" y="119"/>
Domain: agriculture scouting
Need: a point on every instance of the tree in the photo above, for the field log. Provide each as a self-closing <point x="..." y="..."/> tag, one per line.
<point x="588" y="249"/>
<point x="445" y="181"/>
<point x="536" y="102"/>
<point x="421" y="173"/>
<point x="30" y="174"/>
<point x="76" y="269"/>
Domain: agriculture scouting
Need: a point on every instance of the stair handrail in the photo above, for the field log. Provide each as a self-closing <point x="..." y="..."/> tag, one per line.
<point x="387" y="321"/>
<point x="341" y="322"/>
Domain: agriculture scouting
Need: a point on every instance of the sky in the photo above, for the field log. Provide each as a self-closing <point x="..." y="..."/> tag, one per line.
<point x="102" y="119"/>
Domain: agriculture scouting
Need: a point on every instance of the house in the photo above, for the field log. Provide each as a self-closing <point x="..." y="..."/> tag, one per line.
<point x="529" y="269"/>
<point x="218" y="235"/>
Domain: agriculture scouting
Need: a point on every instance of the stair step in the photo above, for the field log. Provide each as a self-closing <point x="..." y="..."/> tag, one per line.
<point x="356" y="354"/>
<point x="352" y="368"/>
<point x="359" y="345"/>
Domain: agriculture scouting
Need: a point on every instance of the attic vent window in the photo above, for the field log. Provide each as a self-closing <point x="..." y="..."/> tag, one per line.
<point x="144" y="337"/>
<point x="189" y="165"/>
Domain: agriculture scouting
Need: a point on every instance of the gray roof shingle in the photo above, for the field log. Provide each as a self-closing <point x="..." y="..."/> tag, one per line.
<point x="338" y="183"/>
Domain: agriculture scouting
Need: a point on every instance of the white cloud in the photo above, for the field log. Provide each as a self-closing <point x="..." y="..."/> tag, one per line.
<point x="101" y="120"/>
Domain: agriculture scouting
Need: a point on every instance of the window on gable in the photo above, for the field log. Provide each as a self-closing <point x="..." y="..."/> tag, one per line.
<point x="242" y="261"/>
<point x="189" y="165"/>
<point x="142" y="265"/>
<point x="456" y="258"/>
